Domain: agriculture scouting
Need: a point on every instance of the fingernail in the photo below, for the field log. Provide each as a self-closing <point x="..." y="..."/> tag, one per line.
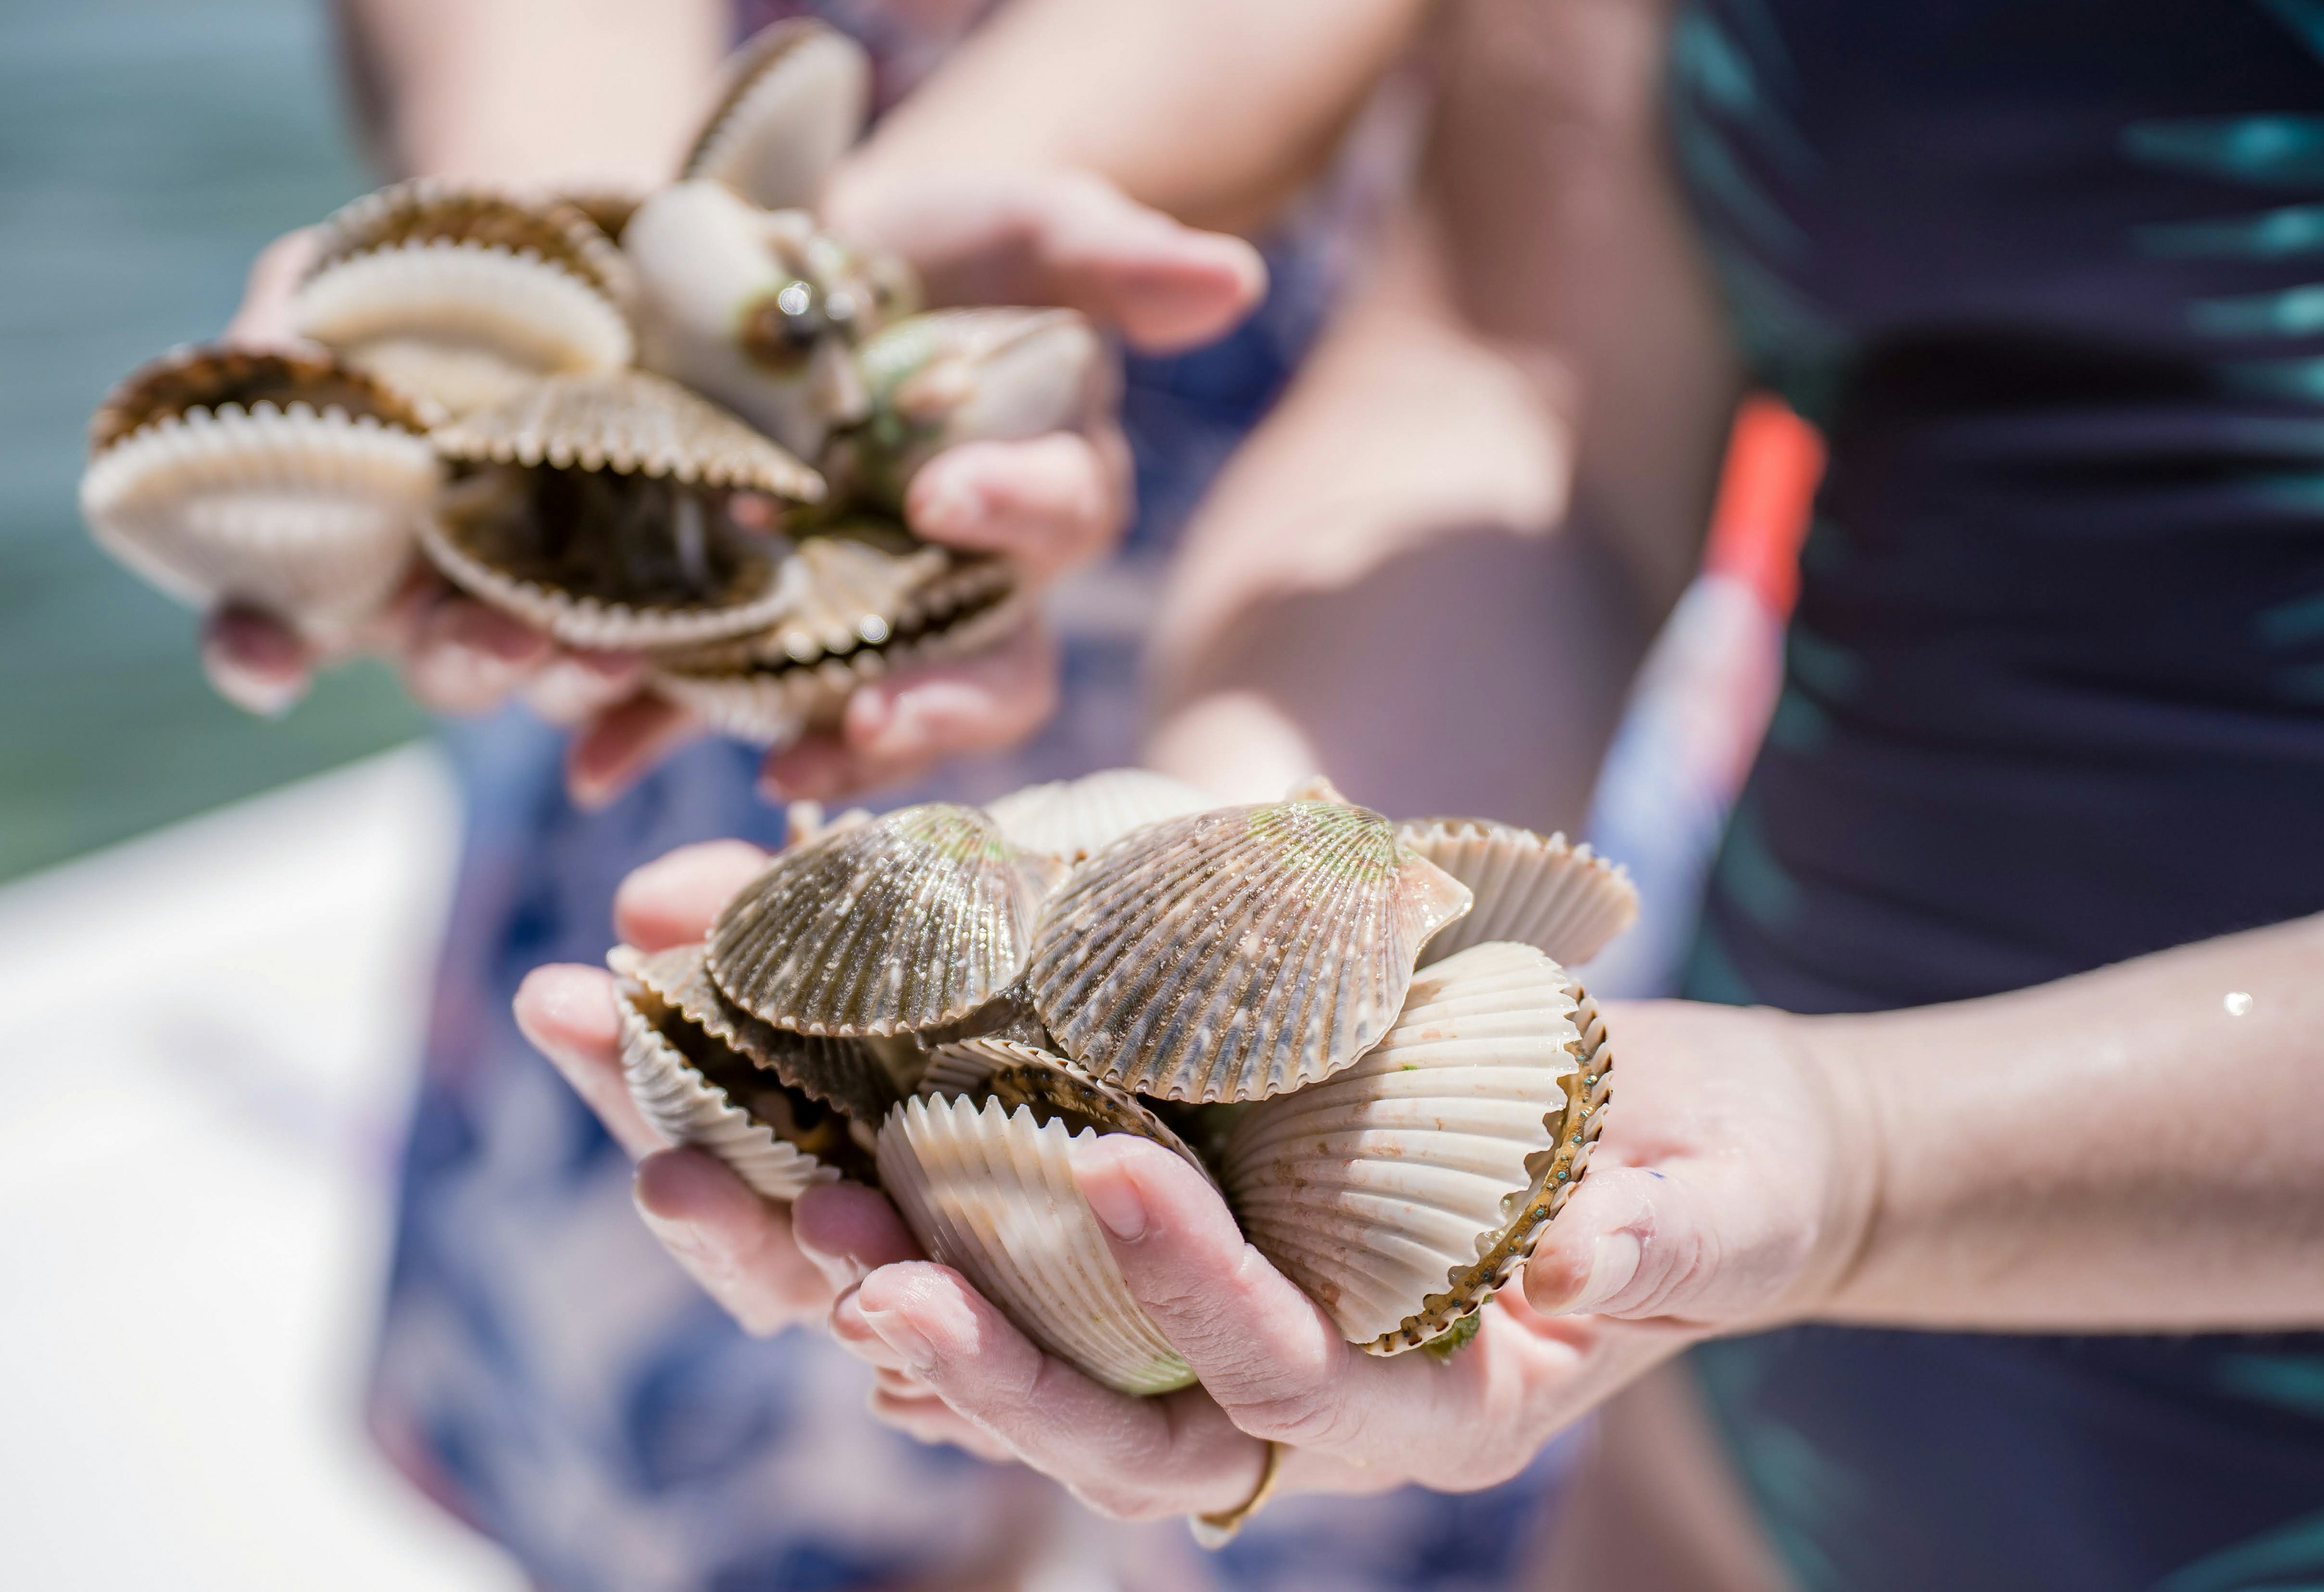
<point x="268" y="698"/>
<point x="909" y="1342"/>
<point x="1613" y="1262"/>
<point x="1110" y="1195"/>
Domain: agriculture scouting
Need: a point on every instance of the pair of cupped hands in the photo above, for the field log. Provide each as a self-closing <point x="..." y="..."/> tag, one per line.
<point x="1720" y="1194"/>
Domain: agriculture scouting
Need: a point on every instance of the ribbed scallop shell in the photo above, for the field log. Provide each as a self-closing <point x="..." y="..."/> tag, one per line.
<point x="1240" y="952"/>
<point x="1566" y="899"/>
<point x="905" y="924"/>
<point x="1074" y="819"/>
<point x="1401" y="1192"/>
<point x="1016" y="1073"/>
<point x="463" y="294"/>
<point x="992" y="1193"/>
<point x="772" y="687"/>
<point x="797" y="95"/>
<point x="853" y="1076"/>
<point x="684" y="1106"/>
<point x="289" y="482"/>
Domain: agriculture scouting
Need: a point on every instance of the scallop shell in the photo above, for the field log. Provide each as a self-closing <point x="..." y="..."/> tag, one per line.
<point x="798" y="93"/>
<point x="1016" y="1073"/>
<point x="625" y="423"/>
<point x="990" y="1193"/>
<point x="289" y="482"/>
<point x="752" y="1122"/>
<point x="1566" y="899"/>
<point x="1074" y="819"/>
<point x="858" y="1077"/>
<point x="463" y="294"/>
<point x="869" y="604"/>
<point x="757" y="308"/>
<point x="1240" y="952"/>
<point x="960" y="375"/>
<point x="1401" y="1192"/>
<point x="908" y="922"/>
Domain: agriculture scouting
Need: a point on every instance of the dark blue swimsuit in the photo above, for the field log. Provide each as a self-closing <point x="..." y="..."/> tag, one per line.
<point x="2050" y="273"/>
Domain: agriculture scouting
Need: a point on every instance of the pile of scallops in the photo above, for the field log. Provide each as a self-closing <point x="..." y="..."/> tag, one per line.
<point x="1361" y="1033"/>
<point x="677" y="424"/>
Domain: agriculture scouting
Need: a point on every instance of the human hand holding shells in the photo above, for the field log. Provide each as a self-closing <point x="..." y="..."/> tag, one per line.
<point x="646" y="592"/>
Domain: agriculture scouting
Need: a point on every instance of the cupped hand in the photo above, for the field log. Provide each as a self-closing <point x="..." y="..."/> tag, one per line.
<point x="1730" y="1190"/>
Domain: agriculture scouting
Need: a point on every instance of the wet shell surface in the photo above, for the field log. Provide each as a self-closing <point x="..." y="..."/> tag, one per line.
<point x="978" y="374"/>
<point x="694" y="1090"/>
<point x="462" y="294"/>
<point x="871" y="599"/>
<point x="1538" y="889"/>
<point x="605" y="510"/>
<point x="1401" y="1192"/>
<point x="905" y="924"/>
<point x="1074" y="819"/>
<point x="292" y="483"/>
<point x="1238" y="953"/>
<point x="797" y="95"/>
<point x="989" y="1190"/>
<point x="861" y="1079"/>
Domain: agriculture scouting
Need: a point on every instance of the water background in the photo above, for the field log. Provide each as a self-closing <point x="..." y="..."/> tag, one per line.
<point x="148" y="149"/>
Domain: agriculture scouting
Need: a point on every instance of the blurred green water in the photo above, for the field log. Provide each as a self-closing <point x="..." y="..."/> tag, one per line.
<point x="147" y="149"/>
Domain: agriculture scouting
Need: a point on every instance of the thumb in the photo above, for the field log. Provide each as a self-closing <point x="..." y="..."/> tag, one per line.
<point x="1059" y="237"/>
<point x="1681" y="1245"/>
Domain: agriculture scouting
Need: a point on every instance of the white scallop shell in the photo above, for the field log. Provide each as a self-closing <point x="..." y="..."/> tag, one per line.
<point x="797" y="94"/>
<point x="1074" y="819"/>
<point x="460" y="324"/>
<point x="1538" y="889"/>
<point x="310" y="517"/>
<point x="991" y="1194"/>
<point x="1399" y="1193"/>
<point x="905" y="924"/>
<point x="688" y="1108"/>
<point x="1240" y="952"/>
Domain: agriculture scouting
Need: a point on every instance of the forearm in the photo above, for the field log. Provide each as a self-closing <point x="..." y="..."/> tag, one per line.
<point x="2114" y="1152"/>
<point x="1214" y="111"/>
<point x="533" y="90"/>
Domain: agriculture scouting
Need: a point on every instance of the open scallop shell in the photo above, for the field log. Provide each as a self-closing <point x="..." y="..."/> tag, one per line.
<point x="1017" y="1072"/>
<point x="990" y="1193"/>
<point x="905" y="924"/>
<point x="861" y="1079"/>
<point x="959" y="376"/>
<point x="663" y="562"/>
<point x="1401" y="1193"/>
<point x="873" y="598"/>
<point x="796" y="95"/>
<point x="292" y="483"/>
<point x="1074" y="819"/>
<point x="1240" y="952"/>
<point x="758" y="309"/>
<point x="462" y="294"/>
<point x="1566" y="899"/>
<point x="695" y="1089"/>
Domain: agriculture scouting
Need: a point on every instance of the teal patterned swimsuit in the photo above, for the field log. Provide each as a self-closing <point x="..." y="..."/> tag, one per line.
<point x="2050" y="274"/>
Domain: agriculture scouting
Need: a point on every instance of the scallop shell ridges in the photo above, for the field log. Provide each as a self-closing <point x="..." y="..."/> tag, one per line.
<point x="797" y="94"/>
<point x="907" y="922"/>
<point x="1240" y="952"/>
<point x="1074" y="819"/>
<point x="843" y="1073"/>
<point x="1401" y="1193"/>
<point x="992" y="1193"/>
<point x="1537" y="888"/>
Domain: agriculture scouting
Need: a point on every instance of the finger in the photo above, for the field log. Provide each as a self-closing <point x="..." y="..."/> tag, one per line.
<point x="895" y="727"/>
<point x="850" y="1231"/>
<point x="674" y="899"/>
<point x="619" y="745"/>
<point x="254" y="661"/>
<point x="572" y="686"/>
<point x="736" y="1244"/>
<point x="465" y="657"/>
<point x="264" y="319"/>
<point x="1138" y="1458"/>
<point x="931" y="1421"/>
<point x="1046" y="504"/>
<point x="569" y="1014"/>
<point x="1676" y="1242"/>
